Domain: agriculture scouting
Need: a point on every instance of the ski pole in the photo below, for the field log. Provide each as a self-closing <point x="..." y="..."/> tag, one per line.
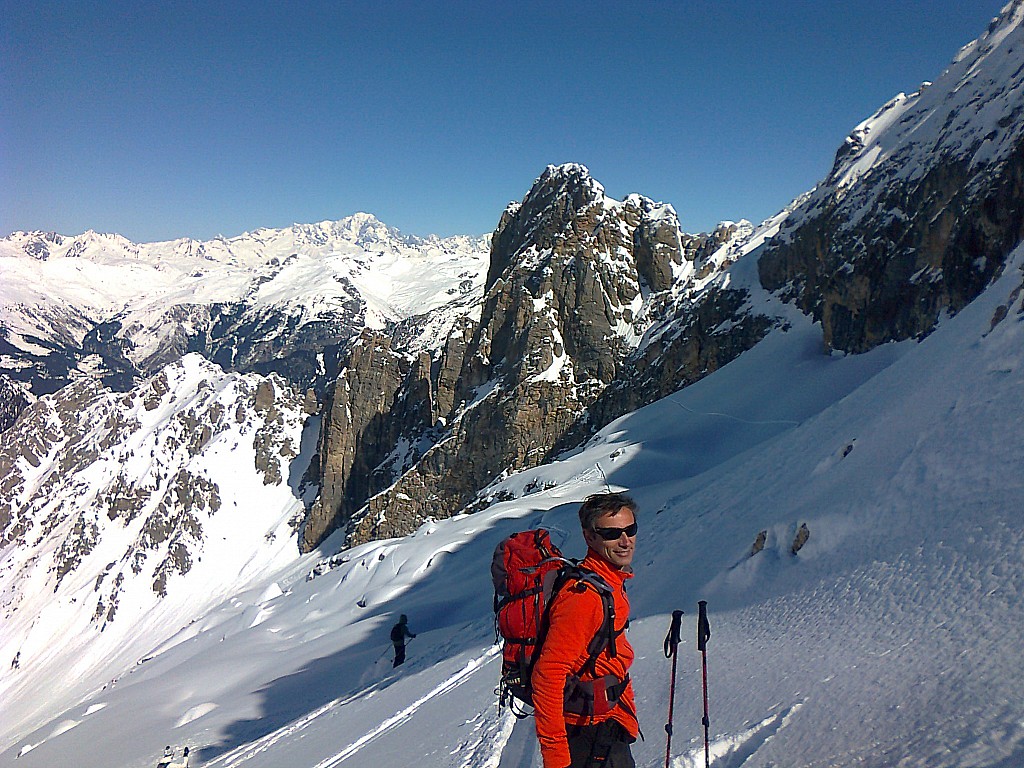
<point x="671" y="646"/>
<point x="703" y="633"/>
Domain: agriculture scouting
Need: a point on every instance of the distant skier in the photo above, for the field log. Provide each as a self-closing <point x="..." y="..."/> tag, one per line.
<point x="167" y="761"/>
<point x="398" y="634"/>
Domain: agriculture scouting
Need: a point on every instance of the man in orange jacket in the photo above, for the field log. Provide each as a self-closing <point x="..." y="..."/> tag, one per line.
<point x="582" y="695"/>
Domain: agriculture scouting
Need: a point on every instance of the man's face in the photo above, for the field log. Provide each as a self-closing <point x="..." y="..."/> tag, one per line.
<point x="618" y="551"/>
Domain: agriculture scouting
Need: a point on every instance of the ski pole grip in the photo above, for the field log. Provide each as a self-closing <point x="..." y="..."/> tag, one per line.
<point x="672" y="639"/>
<point x="703" y="628"/>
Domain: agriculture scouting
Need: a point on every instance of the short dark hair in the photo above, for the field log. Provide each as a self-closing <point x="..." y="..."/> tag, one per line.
<point x="600" y="504"/>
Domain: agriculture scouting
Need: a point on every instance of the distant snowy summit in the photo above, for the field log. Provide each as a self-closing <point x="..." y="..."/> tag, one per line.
<point x="268" y="300"/>
<point x="363" y="230"/>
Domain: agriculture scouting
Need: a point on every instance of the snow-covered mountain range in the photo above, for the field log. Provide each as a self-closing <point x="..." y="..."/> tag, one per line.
<point x="270" y="300"/>
<point x="110" y="498"/>
<point x="852" y="366"/>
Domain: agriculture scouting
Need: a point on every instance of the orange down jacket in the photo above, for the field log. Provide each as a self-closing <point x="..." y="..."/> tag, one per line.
<point x="576" y="616"/>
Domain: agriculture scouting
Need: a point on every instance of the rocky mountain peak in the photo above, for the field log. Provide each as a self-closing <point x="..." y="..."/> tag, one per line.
<point x="572" y="281"/>
<point x="921" y="207"/>
<point x="547" y="217"/>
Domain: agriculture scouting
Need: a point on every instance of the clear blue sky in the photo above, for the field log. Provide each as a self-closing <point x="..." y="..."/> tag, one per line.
<point x="166" y="119"/>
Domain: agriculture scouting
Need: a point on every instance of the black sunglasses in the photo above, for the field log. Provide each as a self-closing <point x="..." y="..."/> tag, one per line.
<point x="611" y="534"/>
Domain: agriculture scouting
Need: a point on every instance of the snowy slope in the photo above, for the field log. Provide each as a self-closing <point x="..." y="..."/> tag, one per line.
<point x="886" y="640"/>
<point x="889" y="639"/>
<point x="120" y="514"/>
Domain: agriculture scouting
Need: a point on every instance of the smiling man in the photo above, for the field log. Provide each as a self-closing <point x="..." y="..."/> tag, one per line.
<point x="582" y="695"/>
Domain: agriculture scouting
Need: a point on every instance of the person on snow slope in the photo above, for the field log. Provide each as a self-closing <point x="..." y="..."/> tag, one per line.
<point x="582" y="695"/>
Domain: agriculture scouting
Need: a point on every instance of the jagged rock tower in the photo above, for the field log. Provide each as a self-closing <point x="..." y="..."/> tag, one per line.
<point x="565" y="304"/>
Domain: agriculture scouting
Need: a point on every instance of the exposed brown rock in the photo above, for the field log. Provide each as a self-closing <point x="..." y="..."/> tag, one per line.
<point x="759" y="542"/>
<point x="925" y="247"/>
<point x="406" y="437"/>
<point x="803" y="534"/>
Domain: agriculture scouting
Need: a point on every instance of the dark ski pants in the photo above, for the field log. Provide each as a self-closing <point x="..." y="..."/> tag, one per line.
<point x="604" y="745"/>
<point x="399" y="654"/>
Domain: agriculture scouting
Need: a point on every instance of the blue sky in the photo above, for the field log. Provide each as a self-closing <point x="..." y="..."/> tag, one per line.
<point x="168" y="119"/>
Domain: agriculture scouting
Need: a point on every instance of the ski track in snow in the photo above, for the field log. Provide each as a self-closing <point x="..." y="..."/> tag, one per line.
<point x="484" y="747"/>
<point x="788" y="422"/>
<point x="403" y="715"/>
<point x="251" y="749"/>
<point x="734" y="751"/>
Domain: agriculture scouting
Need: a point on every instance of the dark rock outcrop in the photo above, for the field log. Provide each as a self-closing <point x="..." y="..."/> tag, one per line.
<point x="13" y="400"/>
<point x="803" y="535"/>
<point x="759" y="541"/>
<point x="380" y="397"/>
<point x="892" y="277"/>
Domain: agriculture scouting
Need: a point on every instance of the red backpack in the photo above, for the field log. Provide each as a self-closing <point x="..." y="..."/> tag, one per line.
<point x="528" y="570"/>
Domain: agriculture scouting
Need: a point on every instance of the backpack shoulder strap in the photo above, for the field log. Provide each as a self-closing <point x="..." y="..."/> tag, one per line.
<point x="606" y="633"/>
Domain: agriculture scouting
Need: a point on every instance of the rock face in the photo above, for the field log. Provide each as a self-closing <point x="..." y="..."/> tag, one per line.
<point x="594" y="307"/>
<point x="924" y="202"/>
<point x="575" y="281"/>
<point x="703" y="335"/>
<point x="13" y="400"/>
<point x="378" y="412"/>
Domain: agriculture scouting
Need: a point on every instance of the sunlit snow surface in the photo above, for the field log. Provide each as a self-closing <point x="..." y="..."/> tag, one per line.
<point x="891" y="638"/>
